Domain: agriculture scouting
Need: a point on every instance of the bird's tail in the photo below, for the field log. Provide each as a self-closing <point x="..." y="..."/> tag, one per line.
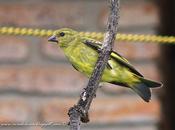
<point x="142" y="88"/>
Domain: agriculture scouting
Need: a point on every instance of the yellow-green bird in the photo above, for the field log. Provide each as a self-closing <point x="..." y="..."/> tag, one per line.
<point x="82" y="53"/>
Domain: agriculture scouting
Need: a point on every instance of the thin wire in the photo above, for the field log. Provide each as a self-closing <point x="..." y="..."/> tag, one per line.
<point x="94" y="35"/>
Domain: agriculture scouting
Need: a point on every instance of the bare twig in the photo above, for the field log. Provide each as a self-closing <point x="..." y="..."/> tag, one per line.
<point x="80" y="111"/>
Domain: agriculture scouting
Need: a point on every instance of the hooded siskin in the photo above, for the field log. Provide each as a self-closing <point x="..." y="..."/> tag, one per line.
<point x="82" y="53"/>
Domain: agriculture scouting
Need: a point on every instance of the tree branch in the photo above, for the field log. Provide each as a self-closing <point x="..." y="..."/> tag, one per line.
<point x="80" y="111"/>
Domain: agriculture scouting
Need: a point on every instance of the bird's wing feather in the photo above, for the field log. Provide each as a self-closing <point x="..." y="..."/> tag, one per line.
<point x="74" y="67"/>
<point x="126" y="64"/>
<point x="114" y="55"/>
<point x="97" y="46"/>
<point x="118" y="56"/>
<point x="93" y="44"/>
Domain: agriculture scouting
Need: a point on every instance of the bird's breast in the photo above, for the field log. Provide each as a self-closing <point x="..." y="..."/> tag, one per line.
<point x="83" y="58"/>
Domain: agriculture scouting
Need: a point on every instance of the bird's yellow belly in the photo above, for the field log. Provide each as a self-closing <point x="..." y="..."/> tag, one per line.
<point x="117" y="73"/>
<point x="85" y="60"/>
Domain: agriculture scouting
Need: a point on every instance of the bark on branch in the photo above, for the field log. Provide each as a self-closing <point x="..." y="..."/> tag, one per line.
<point x="80" y="111"/>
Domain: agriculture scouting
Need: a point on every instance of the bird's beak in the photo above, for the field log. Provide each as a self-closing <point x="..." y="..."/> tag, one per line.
<point x="53" y="39"/>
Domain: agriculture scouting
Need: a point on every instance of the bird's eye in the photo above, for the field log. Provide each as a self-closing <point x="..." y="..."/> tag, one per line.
<point x="62" y="34"/>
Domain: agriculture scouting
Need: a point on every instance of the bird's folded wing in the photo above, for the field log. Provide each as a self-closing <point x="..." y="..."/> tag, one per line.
<point x="97" y="46"/>
<point x="114" y="55"/>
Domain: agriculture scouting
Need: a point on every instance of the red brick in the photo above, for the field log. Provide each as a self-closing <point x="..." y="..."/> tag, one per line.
<point x="78" y="14"/>
<point x="133" y="14"/>
<point x="12" y="111"/>
<point x="42" y="13"/>
<point x="55" y="110"/>
<point x="104" y="110"/>
<point x="52" y="51"/>
<point x="58" y="79"/>
<point x="124" y="109"/>
<point x="137" y="51"/>
<point x="149" y="71"/>
<point x="13" y="48"/>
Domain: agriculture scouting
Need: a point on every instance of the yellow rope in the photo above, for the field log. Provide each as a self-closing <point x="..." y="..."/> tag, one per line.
<point x="95" y="35"/>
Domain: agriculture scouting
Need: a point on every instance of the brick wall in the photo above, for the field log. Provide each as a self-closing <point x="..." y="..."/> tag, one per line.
<point x="38" y="85"/>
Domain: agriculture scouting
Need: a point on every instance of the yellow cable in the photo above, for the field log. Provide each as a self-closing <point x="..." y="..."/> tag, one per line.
<point x="95" y="35"/>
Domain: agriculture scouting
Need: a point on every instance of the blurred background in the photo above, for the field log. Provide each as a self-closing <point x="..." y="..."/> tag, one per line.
<point x="37" y="84"/>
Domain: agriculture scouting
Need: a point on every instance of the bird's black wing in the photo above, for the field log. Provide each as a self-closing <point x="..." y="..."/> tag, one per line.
<point x="93" y="44"/>
<point x="114" y="55"/>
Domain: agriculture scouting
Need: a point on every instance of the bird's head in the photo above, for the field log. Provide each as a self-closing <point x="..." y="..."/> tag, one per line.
<point x="63" y="37"/>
